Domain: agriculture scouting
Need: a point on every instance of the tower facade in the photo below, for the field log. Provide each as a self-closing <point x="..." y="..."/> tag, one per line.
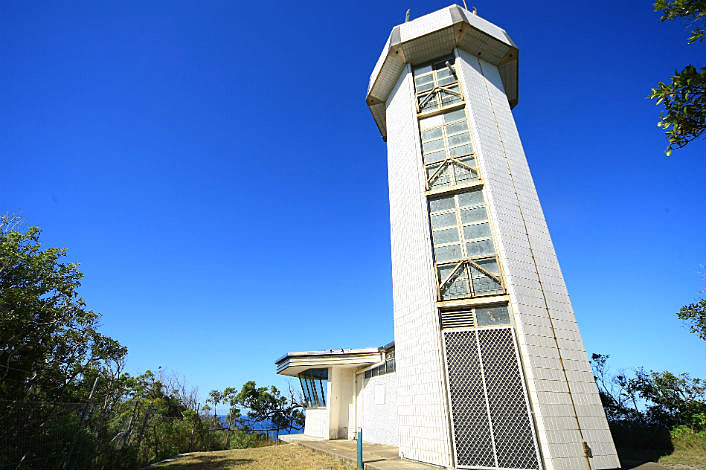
<point x="491" y="369"/>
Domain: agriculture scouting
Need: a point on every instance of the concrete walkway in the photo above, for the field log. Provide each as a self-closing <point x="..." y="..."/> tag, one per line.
<point x="375" y="456"/>
<point x="382" y="457"/>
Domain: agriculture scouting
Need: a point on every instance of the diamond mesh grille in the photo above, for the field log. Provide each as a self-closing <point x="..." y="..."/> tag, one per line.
<point x="485" y="379"/>
<point x="512" y="429"/>
<point x="471" y="427"/>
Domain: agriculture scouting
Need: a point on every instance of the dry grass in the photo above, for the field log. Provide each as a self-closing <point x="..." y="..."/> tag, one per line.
<point x="277" y="457"/>
<point x="689" y="452"/>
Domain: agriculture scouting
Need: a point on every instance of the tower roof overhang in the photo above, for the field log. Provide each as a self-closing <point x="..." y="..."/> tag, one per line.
<point x="434" y="35"/>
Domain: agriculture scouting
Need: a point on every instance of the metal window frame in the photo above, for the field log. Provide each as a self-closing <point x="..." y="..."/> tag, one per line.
<point x="314" y="397"/>
<point x="437" y="90"/>
<point x="466" y="264"/>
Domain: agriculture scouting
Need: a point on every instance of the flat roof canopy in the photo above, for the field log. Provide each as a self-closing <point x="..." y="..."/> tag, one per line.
<point x="435" y="35"/>
<point x="294" y="363"/>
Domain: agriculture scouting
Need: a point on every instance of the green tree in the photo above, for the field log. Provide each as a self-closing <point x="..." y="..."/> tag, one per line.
<point x="684" y="96"/>
<point x="49" y="341"/>
<point x="268" y="405"/>
<point x="215" y="397"/>
<point x="695" y="316"/>
<point x="51" y="353"/>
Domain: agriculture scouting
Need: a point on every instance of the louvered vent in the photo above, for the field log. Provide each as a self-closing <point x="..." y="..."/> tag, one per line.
<point x="457" y="319"/>
<point x="491" y="421"/>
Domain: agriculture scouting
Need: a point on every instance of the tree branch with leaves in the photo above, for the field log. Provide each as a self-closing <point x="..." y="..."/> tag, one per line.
<point x="684" y="95"/>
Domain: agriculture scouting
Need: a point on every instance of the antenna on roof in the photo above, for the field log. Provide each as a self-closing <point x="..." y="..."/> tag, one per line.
<point x="406" y="16"/>
<point x="464" y="5"/>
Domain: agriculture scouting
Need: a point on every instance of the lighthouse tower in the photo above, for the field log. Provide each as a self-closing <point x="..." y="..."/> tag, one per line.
<point x="491" y="368"/>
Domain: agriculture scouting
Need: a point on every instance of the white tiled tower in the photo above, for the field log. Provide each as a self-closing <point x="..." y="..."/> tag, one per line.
<point x="492" y="372"/>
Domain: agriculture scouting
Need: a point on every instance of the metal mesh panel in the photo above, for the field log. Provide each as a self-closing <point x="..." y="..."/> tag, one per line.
<point x="485" y="380"/>
<point x="512" y="429"/>
<point x="470" y="414"/>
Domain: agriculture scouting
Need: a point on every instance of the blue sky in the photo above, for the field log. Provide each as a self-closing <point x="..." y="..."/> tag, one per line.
<point x="215" y="170"/>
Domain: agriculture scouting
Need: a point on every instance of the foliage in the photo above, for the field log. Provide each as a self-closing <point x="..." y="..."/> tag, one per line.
<point x="684" y="96"/>
<point x="50" y="347"/>
<point x="649" y="411"/>
<point x="690" y="9"/>
<point x="653" y="398"/>
<point x="64" y="397"/>
<point x="695" y="316"/>
<point x="268" y="405"/>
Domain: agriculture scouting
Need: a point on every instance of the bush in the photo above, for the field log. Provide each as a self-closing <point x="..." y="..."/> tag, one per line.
<point x="243" y="439"/>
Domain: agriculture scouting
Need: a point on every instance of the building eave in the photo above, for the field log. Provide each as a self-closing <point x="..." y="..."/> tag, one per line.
<point x="295" y="362"/>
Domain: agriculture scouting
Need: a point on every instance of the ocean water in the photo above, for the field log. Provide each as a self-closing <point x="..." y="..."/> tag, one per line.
<point x="264" y="427"/>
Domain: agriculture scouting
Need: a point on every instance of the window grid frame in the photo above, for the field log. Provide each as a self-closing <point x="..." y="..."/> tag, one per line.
<point x="449" y="163"/>
<point x="437" y="91"/>
<point x="465" y="262"/>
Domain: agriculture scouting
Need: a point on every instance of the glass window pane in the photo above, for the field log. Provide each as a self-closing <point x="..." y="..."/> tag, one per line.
<point x="441" y="178"/>
<point x="431" y="134"/>
<point x="443" y="220"/>
<point x="456" y="127"/>
<point x="314" y="382"/>
<point x="441" y="203"/>
<point x="492" y="316"/>
<point x="422" y="69"/>
<point x="458" y="139"/>
<point x="470" y="161"/>
<point x="434" y="156"/>
<point x="456" y="287"/>
<point x="420" y="80"/>
<point x="445" y="236"/>
<point x="480" y="248"/>
<point x="460" y="150"/>
<point x="424" y="87"/>
<point x="476" y="231"/>
<point x="447" y="253"/>
<point x="486" y="285"/>
<point x="490" y="265"/>
<point x="463" y="173"/>
<point x="448" y="99"/>
<point x="450" y="94"/>
<point x="443" y="71"/>
<point x="447" y="80"/>
<point x="430" y="105"/>
<point x="470" y="198"/>
<point x="455" y="115"/>
<point x="432" y="145"/>
<point x="473" y="215"/>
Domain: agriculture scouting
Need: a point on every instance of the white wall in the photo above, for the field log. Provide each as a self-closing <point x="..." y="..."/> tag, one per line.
<point x="316" y="422"/>
<point x="539" y="299"/>
<point x="339" y="401"/>
<point x="379" y="409"/>
<point x="421" y="397"/>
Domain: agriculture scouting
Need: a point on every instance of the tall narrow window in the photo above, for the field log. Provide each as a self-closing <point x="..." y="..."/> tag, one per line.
<point x="463" y="248"/>
<point x="447" y="152"/>
<point x="314" y="382"/>
<point x="436" y="84"/>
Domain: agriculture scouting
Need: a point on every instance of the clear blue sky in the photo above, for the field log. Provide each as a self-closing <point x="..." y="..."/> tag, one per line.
<point x="215" y="170"/>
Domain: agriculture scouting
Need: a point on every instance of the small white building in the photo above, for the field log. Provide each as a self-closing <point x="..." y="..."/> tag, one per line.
<point x="346" y="390"/>
<point x="488" y="369"/>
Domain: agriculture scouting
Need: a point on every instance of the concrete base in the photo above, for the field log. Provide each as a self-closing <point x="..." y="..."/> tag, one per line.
<point x="375" y="456"/>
